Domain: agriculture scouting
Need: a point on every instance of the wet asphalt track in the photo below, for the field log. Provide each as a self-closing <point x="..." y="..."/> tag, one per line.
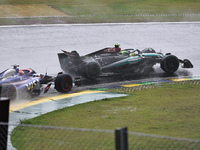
<point x="37" y="47"/>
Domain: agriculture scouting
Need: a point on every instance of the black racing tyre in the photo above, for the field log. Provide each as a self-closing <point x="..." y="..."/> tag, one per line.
<point x="170" y="63"/>
<point x="63" y="83"/>
<point x="92" y="70"/>
<point x="9" y="90"/>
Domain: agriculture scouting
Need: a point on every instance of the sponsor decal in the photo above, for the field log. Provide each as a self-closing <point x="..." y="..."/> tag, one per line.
<point x="32" y="84"/>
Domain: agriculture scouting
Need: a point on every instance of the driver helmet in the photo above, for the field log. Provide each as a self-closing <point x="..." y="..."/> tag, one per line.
<point x="117" y="45"/>
<point x="124" y="52"/>
<point x="132" y="54"/>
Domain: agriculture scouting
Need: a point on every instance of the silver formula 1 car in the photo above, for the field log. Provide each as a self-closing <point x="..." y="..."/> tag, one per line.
<point x="115" y="60"/>
<point x="28" y="82"/>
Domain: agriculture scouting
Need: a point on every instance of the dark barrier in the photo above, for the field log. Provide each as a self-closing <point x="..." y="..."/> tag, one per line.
<point x="4" y="117"/>
<point x="121" y="139"/>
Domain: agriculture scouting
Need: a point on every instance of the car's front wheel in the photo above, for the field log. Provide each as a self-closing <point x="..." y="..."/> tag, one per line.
<point x="170" y="63"/>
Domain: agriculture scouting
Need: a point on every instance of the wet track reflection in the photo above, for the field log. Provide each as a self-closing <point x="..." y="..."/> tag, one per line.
<point x="114" y="80"/>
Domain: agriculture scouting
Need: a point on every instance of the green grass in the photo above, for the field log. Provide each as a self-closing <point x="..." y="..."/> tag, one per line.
<point x="171" y="110"/>
<point x="105" y="10"/>
<point x="116" y="7"/>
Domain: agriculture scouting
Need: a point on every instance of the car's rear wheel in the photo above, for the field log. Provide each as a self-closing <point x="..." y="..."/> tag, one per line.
<point x="170" y="63"/>
<point x="92" y="70"/>
<point x="63" y="83"/>
<point x="9" y="90"/>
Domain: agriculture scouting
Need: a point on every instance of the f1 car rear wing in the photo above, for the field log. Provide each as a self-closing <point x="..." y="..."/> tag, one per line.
<point x="63" y="61"/>
<point x="66" y="57"/>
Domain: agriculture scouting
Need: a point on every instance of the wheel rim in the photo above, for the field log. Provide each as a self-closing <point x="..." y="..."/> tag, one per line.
<point x="67" y="83"/>
<point x="171" y="65"/>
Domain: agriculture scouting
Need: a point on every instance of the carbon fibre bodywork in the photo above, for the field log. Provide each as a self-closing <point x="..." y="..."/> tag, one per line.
<point x="115" y="60"/>
<point x="27" y="83"/>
